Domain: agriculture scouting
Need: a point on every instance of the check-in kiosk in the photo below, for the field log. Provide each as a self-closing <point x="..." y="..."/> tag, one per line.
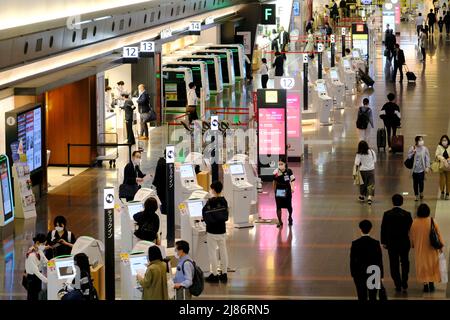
<point x="252" y="175"/>
<point x="348" y="74"/>
<point x="214" y="70"/>
<point x="226" y="61"/>
<point x="185" y="185"/>
<point x="326" y="58"/>
<point x="358" y="62"/>
<point x="193" y="230"/>
<point x="337" y="88"/>
<point x="324" y="102"/>
<point x="60" y="270"/>
<point x="239" y="193"/>
<point x="199" y="74"/>
<point x="196" y="158"/>
<point x="175" y="83"/>
<point x="312" y="71"/>
<point x="238" y="52"/>
<point x="128" y="225"/>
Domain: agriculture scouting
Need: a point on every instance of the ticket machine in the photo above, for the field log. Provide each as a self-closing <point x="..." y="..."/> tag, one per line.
<point x="324" y="102"/>
<point x="199" y="74"/>
<point x="337" y="88"/>
<point x="358" y="62"/>
<point x="91" y="247"/>
<point x="312" y="71"/>
<point x="185" y="185"/>
<point x="238" y="192"/>
<point x="60" y="270"/>
<point x="193" y="230"/>
<point x="175" y="86"/>
<point x="214" y="70"/>
<point x="348" y="74"/>
<point x="252" y="176"/>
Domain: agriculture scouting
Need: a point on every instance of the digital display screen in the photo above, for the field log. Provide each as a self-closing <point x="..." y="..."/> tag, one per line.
<point x="271" y="96"/>
<point x="65" y="269"/>
<point x="29" y="132"/>
<point x="334" y="74"/>
<point x="195" y="208"/>
<point x="135" y="208"/>
<point x="347" y="64"/>
<point x="186" y="171"/>
<point x="272" y="135"/>
<point x="355" y="53"/>
<point x="6" y="188"/>
<point x="236" y="169"/>
<point x="138" y="264"/>
<point x="321" y="87"/>
<point x="293" y="115"/>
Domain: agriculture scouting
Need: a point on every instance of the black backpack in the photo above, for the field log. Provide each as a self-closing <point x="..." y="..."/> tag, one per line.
<point x="363" y="119"/>
<point x="198" y="282"/>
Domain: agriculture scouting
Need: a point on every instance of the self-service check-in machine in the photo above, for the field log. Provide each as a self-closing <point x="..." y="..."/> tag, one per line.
<point x="324" y="102"/>
<point x="193" y="230"/>
<point x="252" y="177"/>
<point x="185" y="185"/>
<point x="175" y="86"/>
<point x="358" y="62"/>
<point x="326" y="58"/>
<point x="199" y="74"/>
<point x="312" y="71"/>
<point x="239" y="193"/>
<point x="348" y="74"/>
<point x="226" y="60"/>
<point x="60" y="270"/>
<point x="134" y="263"/>
<point x="214" y="68"/>
<point x="238" y="52"/>
<point x="337" y="88"/>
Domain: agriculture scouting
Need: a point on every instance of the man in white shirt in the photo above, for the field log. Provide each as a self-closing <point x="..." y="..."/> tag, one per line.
<point x="264" y="71"/>
<point x="419" y="23"/>
<point x="192" y="103"/>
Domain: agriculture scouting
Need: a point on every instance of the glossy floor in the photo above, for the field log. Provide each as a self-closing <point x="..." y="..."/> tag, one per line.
<point x="310" y="259"/>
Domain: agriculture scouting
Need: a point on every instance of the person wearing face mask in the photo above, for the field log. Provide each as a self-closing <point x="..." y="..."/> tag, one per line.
<point x="133" y="177"/>
<point x="34" y="265"/>
<point x="148" y="222"/>
<point x="283" y="185"/>
<point x="421" y="165"/>
<point x="185" y="271"/>
<point x="215" y="215"/>
<point x="59" y="241"/>
<point x="443" y="156"/>
<point x="143" y="102"/>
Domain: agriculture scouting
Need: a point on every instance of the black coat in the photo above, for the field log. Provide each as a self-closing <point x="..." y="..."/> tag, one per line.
<point x="279" y="66"/>
<point x="390" y="119"/>
<point x="365" y="252"/>
<point x="150" y="218"/>
<point x="159" y="181"/>
<point x="215" y="215"/>
<point x="131" y="172"/>
<point x="128" y="107"/>
<point x="144" y="102"/>
<point x="390" y="41"/>
<point x="284" y="38"/>
<point x="399" y="58"/>
<point x="395" y="229"/>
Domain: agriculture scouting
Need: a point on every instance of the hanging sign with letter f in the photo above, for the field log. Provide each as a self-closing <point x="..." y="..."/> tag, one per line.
<point x="269" y="15"/>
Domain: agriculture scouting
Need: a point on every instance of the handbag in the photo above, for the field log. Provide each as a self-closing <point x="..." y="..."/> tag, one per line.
<point x="443" y="267"/>
<point x="357" y="178"/>
<point x="386" y="52"/>
<point x="152" y="115"/>
<point x="128" y="191"/>
<point x="435" y="166"/>
<point x="434" y="237"/>
<point x="280" y="193"/>
<point x="409" y="163"/>
<point x="444" y="166"/>
<point x="25" y="280"/>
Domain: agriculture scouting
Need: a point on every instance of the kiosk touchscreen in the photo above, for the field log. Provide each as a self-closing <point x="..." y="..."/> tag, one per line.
<point x="226" y="60"/>
<point x="252" y="176"/>
<point x="349" y="74"/>
<point x="60" y="270"/>
<point x="91" y="247"/>
<point x="131" y="265"/>
<point x="337" y="87"/>
<point x="214" y="68"/>
<point x="6" y="195"/>
<point x="199" y="74"/>
<point x="185" y="185"/>
<point x="324" y="102"/>
<point x="175" y="83"/>
<point x="193" y="230"/>
<point x="240" y="192"/>
<point x="238" y="52"/>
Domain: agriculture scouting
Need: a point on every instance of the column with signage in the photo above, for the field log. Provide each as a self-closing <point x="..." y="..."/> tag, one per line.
<point x="319" y="60"/>
<point x="305" y="82"/>
<point x="272" y="130"/>
<point x="333" y="50"/>
<point x="110" y="281"/>
<point x="170" y="195"/>
<point x="215" y="151"/>
<point x="343" y="42"/>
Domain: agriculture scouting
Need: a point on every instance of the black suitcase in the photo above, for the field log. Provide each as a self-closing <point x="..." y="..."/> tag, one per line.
<point x="410" y="75"/>
<point x="366" y="78"/>
<point x="381" y="139"/>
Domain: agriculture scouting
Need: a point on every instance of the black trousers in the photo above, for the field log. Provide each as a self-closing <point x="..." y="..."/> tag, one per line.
<point x="264" y="80"/>
<point x="423" y="53"/>
<point x="400" y="70"/>
<point x="397" y="257"/>
<point x="418" y="182"/>
<point x="447" y="28"/>
<point x="389" y="129"/>
<point x="34" y="287"/>
<point x="130" y="134"/>
<point x="431" y="25"/>
<point x="362" y="290"/>
<point x="418" y="29"/>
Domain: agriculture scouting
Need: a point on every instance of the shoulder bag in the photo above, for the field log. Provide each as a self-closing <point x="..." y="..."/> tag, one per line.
<point x="434" y="237"/>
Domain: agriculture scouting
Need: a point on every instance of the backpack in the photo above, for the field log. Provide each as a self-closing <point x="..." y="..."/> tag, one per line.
<point x="146" y="232"/>
<point x="198" y="282"/>
<point x="363" y="119"/>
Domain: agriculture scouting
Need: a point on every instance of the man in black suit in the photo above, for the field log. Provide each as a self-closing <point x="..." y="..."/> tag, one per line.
<point x="365" y="252"/>
<point x="144" y="110"/>
<point x="395" y="238"/>
<point x="128" y="107"/>
<point x="284" y="39"/>
<point x="399" y="61"/>
<point x="132" y="176"/>
<point x="278" y="64"/>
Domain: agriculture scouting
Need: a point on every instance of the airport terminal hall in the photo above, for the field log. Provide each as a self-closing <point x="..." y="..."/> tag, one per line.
<point x="224" y="150"/>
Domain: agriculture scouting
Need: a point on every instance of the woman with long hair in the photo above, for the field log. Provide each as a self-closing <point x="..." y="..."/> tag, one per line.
<point x="365" y="160"/>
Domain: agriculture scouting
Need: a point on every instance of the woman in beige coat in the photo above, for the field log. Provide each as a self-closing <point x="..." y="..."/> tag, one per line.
<point x="154" y="282"/>
<point x="427" y="257"/>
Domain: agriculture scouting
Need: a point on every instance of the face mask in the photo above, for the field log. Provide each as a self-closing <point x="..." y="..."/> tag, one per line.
<point x="137" y="162"/>
<point x="421" y="143"/>
<point x="59" y="229"/>
<point x="41" y="247"/>
<point x="445" y="143"/>
<point x="281" y="167"/>
<point x="177" y="256"/>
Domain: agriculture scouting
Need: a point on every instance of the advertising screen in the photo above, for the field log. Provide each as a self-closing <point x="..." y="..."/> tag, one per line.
<point x="195" y="209"/>
<point x="29" y="132"/>
<point x="272" y="131"/>
<point x="236" y="169"/>
<point x="293" y="115"/>
<point x="271" y="97"/>
<point x="186" y="171"/>
<point x="138" y="264"/>
<point x="6" y="188"/>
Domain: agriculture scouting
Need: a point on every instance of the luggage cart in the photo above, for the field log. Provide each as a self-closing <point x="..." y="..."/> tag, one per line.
<point x="110" y="153"/>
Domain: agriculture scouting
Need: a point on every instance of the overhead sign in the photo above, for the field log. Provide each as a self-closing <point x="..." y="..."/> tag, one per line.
<point x="209" y="20"/>
<point x="287" y="83"/>
<point x="130" y="52"/>
<point x="343" y="31"/>
<point x="195" y="26"/>
<point x="296" y="8"/>
<point x="147" y="46"/>
<point x="170" y="154"/>
<point x="214" y="123"/>
<point x="166" y="33"/>
<point x="269" y="15"/>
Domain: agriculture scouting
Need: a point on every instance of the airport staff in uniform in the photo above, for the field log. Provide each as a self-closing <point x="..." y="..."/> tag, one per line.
<point x="59" y="241"/>
<point x="264" y="71"/>
<point x="185" y="271"/>
<point x="283" y="185"/>
<point x="34" y="265"/>
<point x="132" y="177"/>
<point x="144" y="110"/>
<point x="129" y="107"/>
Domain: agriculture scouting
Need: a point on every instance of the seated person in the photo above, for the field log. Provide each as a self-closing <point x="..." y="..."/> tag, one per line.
<point x="59" y="241"/>
<point x="148" y="222"/>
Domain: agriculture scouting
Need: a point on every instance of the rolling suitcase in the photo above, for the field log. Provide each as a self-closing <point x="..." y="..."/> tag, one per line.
<point x="397" y="143"/>
<point x="381" y="139"/>
<point x="410" y="75"/>
<point x="366" y="78"/>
